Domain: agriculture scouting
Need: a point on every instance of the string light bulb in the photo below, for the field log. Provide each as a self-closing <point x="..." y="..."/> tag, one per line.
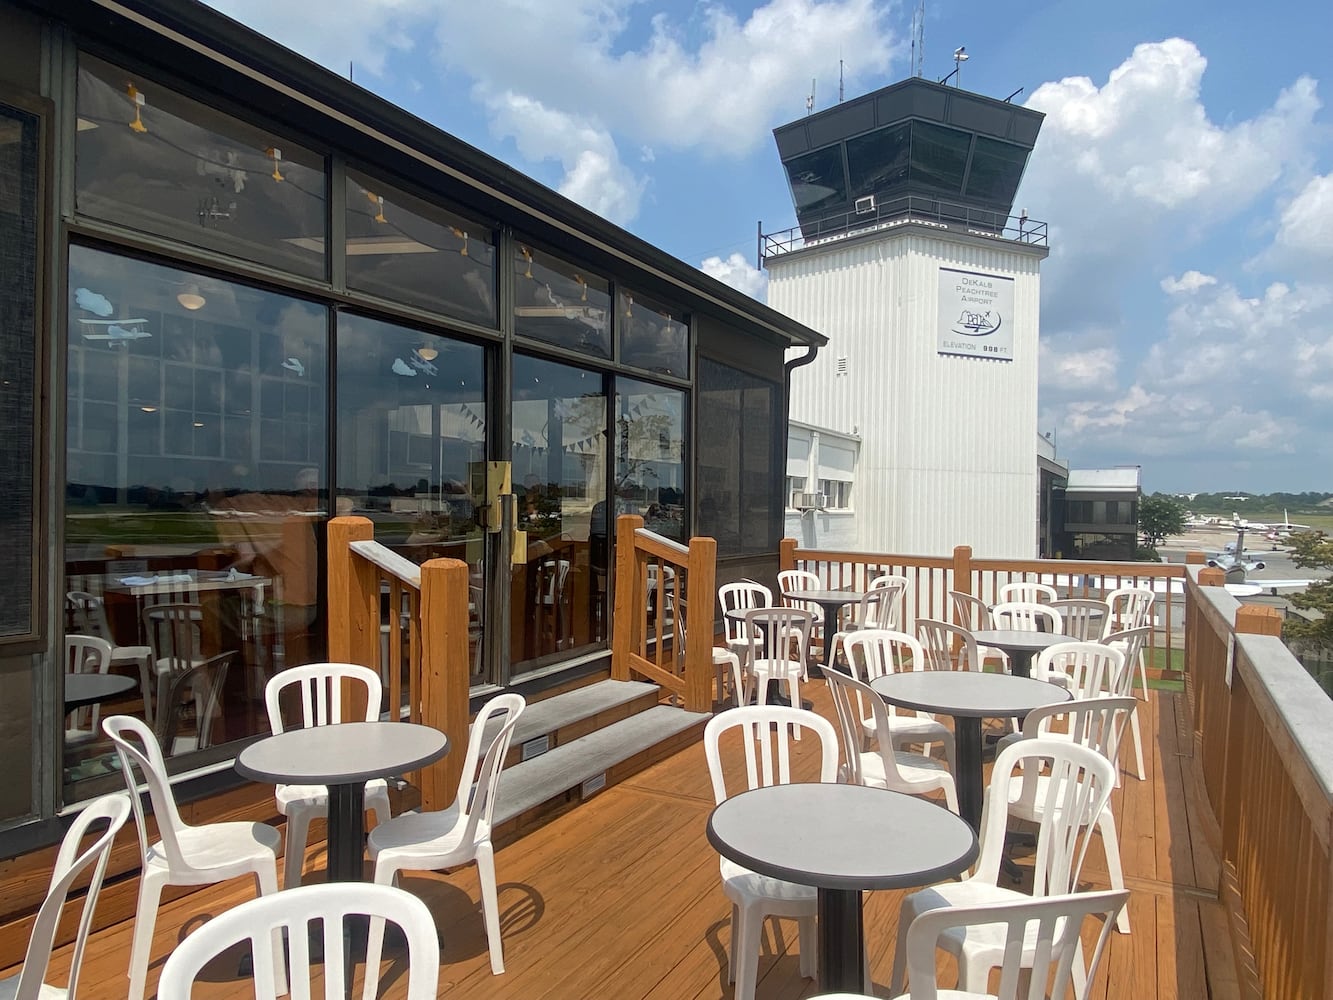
<point x="275" y="154"/>
<point x="527" y="256"/>
<point x="137" y="99"/>
<point x="427" y="353"/>
<point x="462" y="235"/>
<point x="378" y="201"/>
<point x="583" y="284"/>
<point x="629" y="306"/>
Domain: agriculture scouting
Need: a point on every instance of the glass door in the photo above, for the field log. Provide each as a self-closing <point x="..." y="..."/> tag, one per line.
<point x="411" y="450"/>
<point x="559" y="589"/>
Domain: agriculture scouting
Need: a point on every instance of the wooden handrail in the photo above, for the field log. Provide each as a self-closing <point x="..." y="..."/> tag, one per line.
<point x="694" y="568"/>
<point x="433" y="597"/>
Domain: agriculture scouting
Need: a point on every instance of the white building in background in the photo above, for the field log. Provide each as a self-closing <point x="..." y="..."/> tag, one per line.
<point x="907" y="259"/>
<point x="821" y="469"/>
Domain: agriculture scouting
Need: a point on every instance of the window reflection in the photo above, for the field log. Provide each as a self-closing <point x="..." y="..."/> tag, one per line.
<point x="412" y="445"/>
<point x="560" y="472"/>
<point x="652" y="336"/>
<point x="650" y="456"/>
<point x="193" y="511"/>
<point x="153" y="160"/>
<point x="407" y="250"/>
<point x="559" y="303"/>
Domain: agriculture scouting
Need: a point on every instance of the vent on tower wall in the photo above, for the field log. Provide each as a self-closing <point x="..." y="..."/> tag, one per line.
<point x="841" y="367"/>
<point x="866" y="205"/>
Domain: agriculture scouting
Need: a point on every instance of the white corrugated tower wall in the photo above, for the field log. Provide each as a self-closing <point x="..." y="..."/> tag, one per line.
<point x="947" y="455"/>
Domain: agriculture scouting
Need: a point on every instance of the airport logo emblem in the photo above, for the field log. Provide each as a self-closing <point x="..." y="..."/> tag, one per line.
<point x="975" y="311"/>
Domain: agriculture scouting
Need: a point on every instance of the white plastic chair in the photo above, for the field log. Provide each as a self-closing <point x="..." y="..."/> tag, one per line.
<point x="880" y="607"/>
<point x="321" y="701"/>
<point x="800" y="579"/>
<point x="1131" y="642"/>
<point x="1131" y="608"/>
<point x="1080" y="785"/>
<point x="461" y="832"/>
<point x="1087" y="669"/>
<point x="1025" y="616"/>
<point x="1049" y="929"/>
<point x="186" y="855"/>
<point x="938" y="641"/>
<point x="725" y="663"/>
<point x="743" y="595"/>
<point x="71" y="864"/>
<point x="1026" y="592"/>
<point x="884" y="766"/>
<point x="973" y="614"/>
<point x="1085" y="619"/>
<point x="296" y="911"/>
<point x="754" y="896"/>
<point x="781" y="644"/>
<point x="87" y="613"/>
<point x="1097" y="723"/>
<point x="85" y="654"/>
<point x="873" y="653"/>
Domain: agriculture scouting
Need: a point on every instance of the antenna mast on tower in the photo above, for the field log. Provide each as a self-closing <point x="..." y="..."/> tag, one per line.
<point x="919" y="39"/>
<point x="810" y="100"/>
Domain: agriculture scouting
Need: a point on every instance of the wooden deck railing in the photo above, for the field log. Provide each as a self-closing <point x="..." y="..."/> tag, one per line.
<point x="1264" y="734"/>
<point x="932" y="577"/>
<point x="427" y="615"/>
<point x="644" y="641"/>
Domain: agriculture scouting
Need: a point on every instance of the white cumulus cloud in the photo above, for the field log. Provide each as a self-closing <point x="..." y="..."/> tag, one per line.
<point x="1190" y="281"/>
<point x="1306" y="226"/>
<point x="739" y="273"/>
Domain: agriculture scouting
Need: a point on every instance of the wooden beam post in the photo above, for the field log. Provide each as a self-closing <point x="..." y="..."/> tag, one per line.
<point x="1257" y="619"/>
<point x="1195" y="559"/>
<point x="354" y="605"/>
<point x="1213" y="576"/>
<point x="630" y="604"/>
<point x="786" y="554"/>
<point x="701" y="573"/>
<point x="444" y="674"/>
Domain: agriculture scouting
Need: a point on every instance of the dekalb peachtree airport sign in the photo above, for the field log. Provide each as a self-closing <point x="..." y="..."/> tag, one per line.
<point x="976" y="315"/>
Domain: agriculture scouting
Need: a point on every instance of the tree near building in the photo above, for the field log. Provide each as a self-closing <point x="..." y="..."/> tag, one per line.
<point x="1160" y="516"/>
<point x="1312" y="550"/>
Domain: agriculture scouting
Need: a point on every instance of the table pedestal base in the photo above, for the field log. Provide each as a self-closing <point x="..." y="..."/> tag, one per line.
<point x="841" y="941"/>
<point x="347" y="831"/>
<point x="967" y="753"/>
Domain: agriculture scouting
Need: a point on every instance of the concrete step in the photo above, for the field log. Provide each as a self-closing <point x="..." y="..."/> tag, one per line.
<point x="574" y="714"/>
<point x="536" y="790"/>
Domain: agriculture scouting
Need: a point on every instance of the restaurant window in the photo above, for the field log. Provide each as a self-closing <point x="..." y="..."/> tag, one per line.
<point x="153" y="160"/>
<point x="411" y="447"/>
<point x="560" y="303"/>
<point x="194" y="495"/>
<point x="650" y="455"/>
<point x="739" y="487"/>
<point x="652" y="336"/>
<point x="407" y="250"/>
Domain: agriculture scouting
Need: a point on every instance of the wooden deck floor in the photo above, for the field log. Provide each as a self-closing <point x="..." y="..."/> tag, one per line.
<point x="620" y="898"/>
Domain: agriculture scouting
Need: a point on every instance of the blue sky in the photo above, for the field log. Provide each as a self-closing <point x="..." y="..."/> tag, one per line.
<point x="1185" y="168"/>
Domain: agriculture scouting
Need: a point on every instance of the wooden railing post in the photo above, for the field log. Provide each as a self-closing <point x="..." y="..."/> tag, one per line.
<point x="444" y="673"/>
<point x="962" y="571"/>
<point x="701" y="574"/>
<point x="354" y="605"/>
<point x="1257" y="619"/>
<point x="786" y="554"/>
<point x="1195" y="559"/>
<point x="1213" y="576"/>
<point x="626" y="615"/>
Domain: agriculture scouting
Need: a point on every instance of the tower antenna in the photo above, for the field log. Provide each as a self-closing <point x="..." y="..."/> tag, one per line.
<point x="810" y="100"/>
<point x="919" y="39"/>
<point x="839" y="81"/>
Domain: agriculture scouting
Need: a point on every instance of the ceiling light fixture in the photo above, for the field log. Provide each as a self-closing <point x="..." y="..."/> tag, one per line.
<point x="527" y="256"/>
<point x="583" y="284"/>
<point x="190" y="298"/>
<point x="275" y="154"/>
<point x="137" y="99"/>
<point x="462" y="235"/>
<point x="149" y="409"/>
<point x="378" y="201"/>
<point x="427" y="353"/>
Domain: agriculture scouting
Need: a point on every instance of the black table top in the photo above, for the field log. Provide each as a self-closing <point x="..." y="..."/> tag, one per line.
<point x="342" y="754"/>
<point x="1019" y="640"/>
<point x="967" y="694"/>
<point x="799" y="833"/>
<point x="89" y="689"/>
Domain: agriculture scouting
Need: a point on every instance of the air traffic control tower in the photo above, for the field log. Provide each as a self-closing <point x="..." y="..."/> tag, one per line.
<point x="908" y="256"/>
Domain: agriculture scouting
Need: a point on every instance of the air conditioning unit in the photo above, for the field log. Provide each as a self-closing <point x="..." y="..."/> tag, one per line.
<point x="866" y="205"/>
<point x="809" y="501"/>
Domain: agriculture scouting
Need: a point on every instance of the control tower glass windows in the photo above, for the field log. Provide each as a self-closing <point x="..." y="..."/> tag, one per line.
<point x="877" y="161"/>
<point x="997" y="167"/>
<point x="818" y="180"/>
<point x="939" y="157"/>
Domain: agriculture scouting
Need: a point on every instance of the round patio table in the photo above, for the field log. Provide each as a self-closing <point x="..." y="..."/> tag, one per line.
<point x="791" y="832"/>
<point x="969" y="697"/>
<point x="88" y="689"/>
<point x="1021" y="646"/>
<point x="831" y="601"/>
<point x="343" y="757"/>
